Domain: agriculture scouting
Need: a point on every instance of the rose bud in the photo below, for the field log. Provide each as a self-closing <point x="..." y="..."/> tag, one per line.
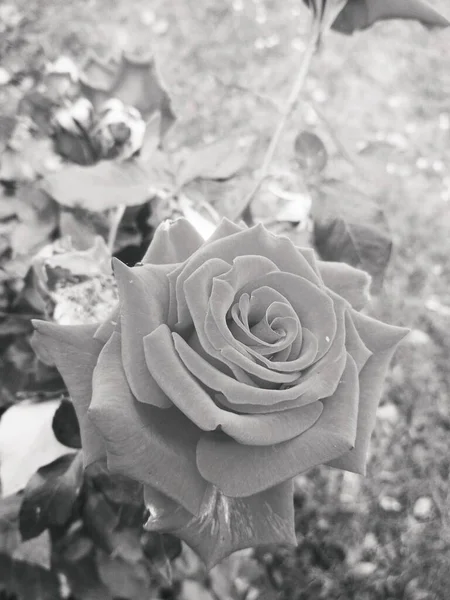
<point x="76" y="118"/>
<point x="229" y="367"/>
<point x="119" y="131"/>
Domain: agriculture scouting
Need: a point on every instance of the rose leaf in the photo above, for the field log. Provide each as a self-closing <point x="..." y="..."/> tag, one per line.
<point x="219" y="160"/>
<point x="310" y="153"/>
<point x="361" y="14"/>
<point x="353" y="230"/>
<point x="50" y="495"/>
<point x="65" y="425"/>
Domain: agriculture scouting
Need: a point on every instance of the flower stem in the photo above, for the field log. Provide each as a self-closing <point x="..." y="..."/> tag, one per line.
<point x="116" y="217"/>
<point x="286" y="112"/>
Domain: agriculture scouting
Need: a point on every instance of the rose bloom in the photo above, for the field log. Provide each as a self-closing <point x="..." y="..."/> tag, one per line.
<point x="230" y="367"/>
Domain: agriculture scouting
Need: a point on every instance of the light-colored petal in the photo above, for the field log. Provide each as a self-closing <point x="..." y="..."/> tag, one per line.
<point x="346" y="281"/>
<point x="241" y="471"/>
<point x="254" y="241"/>
<point x="154" y="446"/>
<point x="173" y="242"/>
<point x="382" y="340"/>
<point x="226" y="524"/>
<point x="75" y="352"/>
<point x="144" y="293"/>
<point x="199" y="407"/>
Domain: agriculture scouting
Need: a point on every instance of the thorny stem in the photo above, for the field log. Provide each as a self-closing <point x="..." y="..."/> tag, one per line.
<point x="244" y="210"/>
<point x="116" y="217"/>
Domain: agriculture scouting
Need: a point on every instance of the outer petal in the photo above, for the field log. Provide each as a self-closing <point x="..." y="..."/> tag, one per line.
<point x="224" y="229"/>
<point x="381" y="339"/>
<point x="256" y="240"/>
<point x="145" y="443"/>
<point x="346" y="281"/>
<point x="173" y="242"/>
<point x="75" y="352"/>
<point x="241" y="471"/>
<point x="227" y="524"/>
<point x="144" y="293"/>
<point x="184" y="391"/>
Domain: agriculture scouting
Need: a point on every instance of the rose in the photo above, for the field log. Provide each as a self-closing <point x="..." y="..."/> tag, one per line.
<point x="231" y="367"/>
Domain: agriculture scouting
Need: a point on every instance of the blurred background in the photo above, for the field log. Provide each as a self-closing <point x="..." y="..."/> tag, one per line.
<point x="382" y="98"/>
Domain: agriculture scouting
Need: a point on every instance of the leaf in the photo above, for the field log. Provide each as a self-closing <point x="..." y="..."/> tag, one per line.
<point x="9" y="523"/>
<point x="138" y="84"/>
<point x="65" y="425"/>
<point x="102" y="186"/>
<point x="310" y="153"/>
<point x="37" y="215"/>
<point x="352" y="229"/>
<point x="67" y="263"/>
<point x="361" y="14"/>
<point x="220" y="160"/>
<point x="123" y="579"/>
<point x="36" y="551"/>
<point x="27" y="581"/>
<point x="27" y="443"/>
<point x="50" y="495"/>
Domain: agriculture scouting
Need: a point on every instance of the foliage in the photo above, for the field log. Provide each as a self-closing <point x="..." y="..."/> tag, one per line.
<point x="33" y="214"/>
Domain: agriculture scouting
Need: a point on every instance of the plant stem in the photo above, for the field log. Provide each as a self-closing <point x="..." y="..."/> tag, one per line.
<point x="285" y="114"/>
<point x="116" y="217"/>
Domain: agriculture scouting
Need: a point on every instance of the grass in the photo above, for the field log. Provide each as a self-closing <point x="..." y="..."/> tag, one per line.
<point x="390" y="87"/>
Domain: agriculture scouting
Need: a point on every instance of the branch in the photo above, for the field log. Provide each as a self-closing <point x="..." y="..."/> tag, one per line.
<point x="286" y="113"/>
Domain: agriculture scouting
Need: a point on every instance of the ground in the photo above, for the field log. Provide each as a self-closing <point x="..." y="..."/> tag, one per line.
<point x="226" y="65"/>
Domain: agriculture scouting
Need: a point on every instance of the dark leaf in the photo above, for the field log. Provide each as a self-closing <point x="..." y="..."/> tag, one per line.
<point x="351" y="228"/>
<point x="83" y="578"/>
<point x="124" y="580"/>
<point x="27" y="582"/>
<point x="361" y="14"/>
<point x="50" y="495"/>
<point x="160" y="547"/>
<point x="9" y="523"/>
<point x="78" y="149"/>
<point x="101" y="519"/>
<point x="220" y="160"/>
<point x="65" y="425"/>
<point x="310" y="153"/>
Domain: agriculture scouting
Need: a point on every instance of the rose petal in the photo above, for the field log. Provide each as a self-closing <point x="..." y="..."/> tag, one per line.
<point x="240" y="471"/>
<point x="154" y="446"/>
<point x="312" y="304"/>
<point x="221" y="338"/>
<point x="106" y="329"/>
<point x="346" y="281"/>
<point x="184" y="391"/>
<point x="143" y="293"/>
<point x="241" y="393"/>
<point x="227" y="524"/>
<point x="381" y="339"/>
<point x="173" y="242"/>
<point x="254" y="241"/>
<point x="224" y="229"/>
<point x="354" y="344"/>
<point x="75" y="352"/>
